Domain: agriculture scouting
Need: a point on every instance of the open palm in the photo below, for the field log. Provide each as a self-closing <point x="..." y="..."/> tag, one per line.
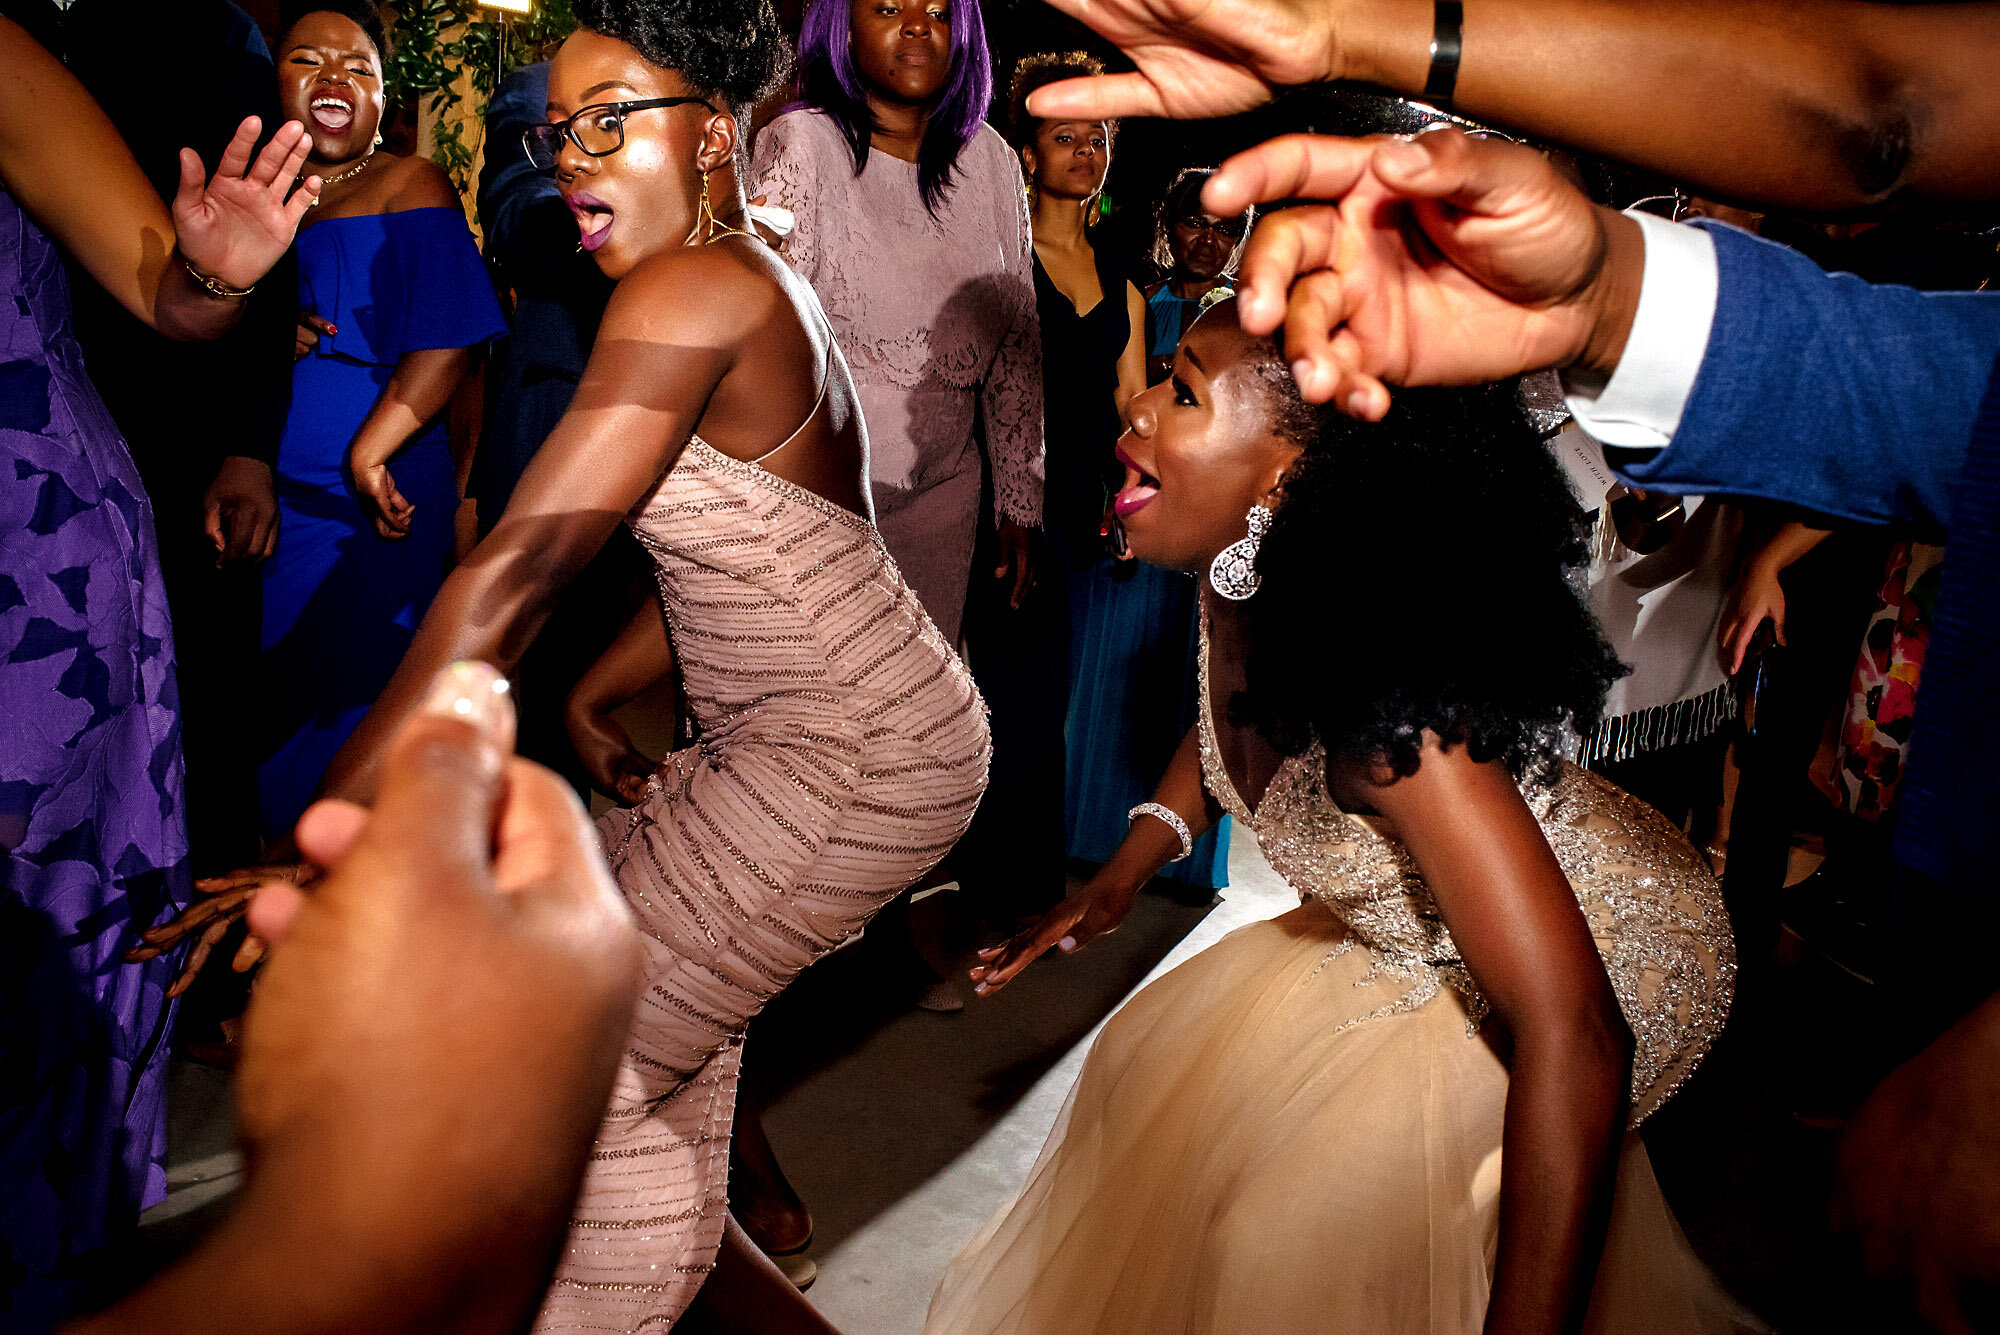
<point x="1196" y="58"/>
<point x="238" y="224"/>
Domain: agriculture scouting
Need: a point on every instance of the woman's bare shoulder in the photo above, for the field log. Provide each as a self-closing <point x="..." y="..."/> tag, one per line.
<point x="713" y="296"/>
<point x="415" y="182"/>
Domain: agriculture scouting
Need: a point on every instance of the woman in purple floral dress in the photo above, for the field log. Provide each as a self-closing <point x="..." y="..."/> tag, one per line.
<point x="92" y="844"/>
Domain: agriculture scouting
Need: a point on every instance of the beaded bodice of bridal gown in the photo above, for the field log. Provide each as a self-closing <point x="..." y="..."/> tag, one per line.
<point x="1301" y="1128"/>
<point x="843" y="748"/>
<point x="1654" y="908"/>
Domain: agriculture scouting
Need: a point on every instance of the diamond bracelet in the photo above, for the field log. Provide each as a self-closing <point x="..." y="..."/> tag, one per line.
<point x="1172" y="818"/>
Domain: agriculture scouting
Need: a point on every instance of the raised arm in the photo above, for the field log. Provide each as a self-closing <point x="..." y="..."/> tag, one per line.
<point x="1831" y="105"/>
<point x="1102" y="902"/>
<point x="1706" y="360"/>
<point x="83" y="187"/>
<point x="1808" y="104"/>
<point x="1517" y="926"/>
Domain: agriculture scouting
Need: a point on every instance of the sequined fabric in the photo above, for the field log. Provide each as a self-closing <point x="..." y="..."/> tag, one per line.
<point x="843" y="749"/>
<point x="1654" y="908"/>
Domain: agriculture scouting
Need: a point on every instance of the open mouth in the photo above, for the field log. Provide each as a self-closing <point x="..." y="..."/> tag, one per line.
<point x="332" y="113"/>
<point x="1139" y="489"/>
<point x="593" y="218"/>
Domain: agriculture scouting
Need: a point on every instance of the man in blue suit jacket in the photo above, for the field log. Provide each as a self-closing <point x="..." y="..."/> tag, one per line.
<point x="558" y="299"/>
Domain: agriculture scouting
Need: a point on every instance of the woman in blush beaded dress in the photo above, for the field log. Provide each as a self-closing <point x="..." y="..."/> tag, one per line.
<point x="1405" y="1107"/>
<point x="842" y="745"/>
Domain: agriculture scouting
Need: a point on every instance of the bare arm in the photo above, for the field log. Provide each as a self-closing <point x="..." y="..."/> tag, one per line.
<point x="1132" y="360"/>
<point x="641" y="656"/>
<point x="1759" y="596"/>
<point x="1811" y="104"/>
<point x="1825" y="105"/>
<point x="418" y="390"/>
<point x="475" y="906"/>
<point x="1517" y="925"/>
<point x="1102" y="902"/>
<point x="83" y="187"/>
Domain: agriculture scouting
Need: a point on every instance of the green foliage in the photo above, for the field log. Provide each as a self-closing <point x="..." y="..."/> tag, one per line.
<point x="432" y="41"/>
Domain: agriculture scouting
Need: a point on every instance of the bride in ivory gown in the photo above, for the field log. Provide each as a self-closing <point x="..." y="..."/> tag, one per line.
<point x="1409" y="1106"/>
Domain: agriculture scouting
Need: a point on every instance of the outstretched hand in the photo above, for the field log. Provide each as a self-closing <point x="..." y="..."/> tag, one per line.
<point x="1196" y="58"/>
<point x="1068" y="927"/>
<point x="226" y="901"/>
<point x="238" y="225"/>
<point x="1438" y="260"/>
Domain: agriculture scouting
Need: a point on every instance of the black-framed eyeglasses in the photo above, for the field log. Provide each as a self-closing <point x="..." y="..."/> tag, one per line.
<point x="598" y="130"/>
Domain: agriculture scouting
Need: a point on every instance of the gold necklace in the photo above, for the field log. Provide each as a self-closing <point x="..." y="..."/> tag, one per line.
<point x="326" y="181"/>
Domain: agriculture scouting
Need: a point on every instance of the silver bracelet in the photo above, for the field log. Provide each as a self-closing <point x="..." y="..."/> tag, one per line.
<point x="1172" y="818"/>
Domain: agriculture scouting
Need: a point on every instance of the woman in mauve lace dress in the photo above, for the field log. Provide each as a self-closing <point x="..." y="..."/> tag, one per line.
<point x="915" y="236"/>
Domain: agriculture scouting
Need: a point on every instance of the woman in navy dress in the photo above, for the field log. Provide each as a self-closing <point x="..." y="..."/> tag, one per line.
<point x="1132" y="649"/>
<point x="393" y="299"/>
<point x="93" y="847"/>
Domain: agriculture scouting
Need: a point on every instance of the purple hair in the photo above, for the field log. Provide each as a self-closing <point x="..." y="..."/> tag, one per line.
<point x="833" y="87"/>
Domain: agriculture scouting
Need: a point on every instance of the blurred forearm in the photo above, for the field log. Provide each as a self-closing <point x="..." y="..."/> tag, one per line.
<point x="1827" y="105"/>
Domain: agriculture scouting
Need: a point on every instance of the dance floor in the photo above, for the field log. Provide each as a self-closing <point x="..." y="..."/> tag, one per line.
<point x="905" y="1130"/>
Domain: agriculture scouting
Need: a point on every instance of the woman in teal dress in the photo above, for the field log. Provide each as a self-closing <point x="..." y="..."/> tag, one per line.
<point x="1132" y="652"/>
<point x="393" y="298"/>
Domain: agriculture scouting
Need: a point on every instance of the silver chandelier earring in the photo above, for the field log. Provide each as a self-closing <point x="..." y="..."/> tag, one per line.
<point x="1233" y="572"/>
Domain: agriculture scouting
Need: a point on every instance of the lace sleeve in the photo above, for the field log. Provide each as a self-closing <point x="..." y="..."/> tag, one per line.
<point x="1011" y="397"/>
<point x="784" y="170"/>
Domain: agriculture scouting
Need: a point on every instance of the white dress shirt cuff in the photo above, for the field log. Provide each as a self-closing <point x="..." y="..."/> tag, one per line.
<point x="1640" y="405"/>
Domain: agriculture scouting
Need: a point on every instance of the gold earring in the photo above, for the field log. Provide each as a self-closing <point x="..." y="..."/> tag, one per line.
<point x="378" y="139"/>
<point x="704" y="218"/>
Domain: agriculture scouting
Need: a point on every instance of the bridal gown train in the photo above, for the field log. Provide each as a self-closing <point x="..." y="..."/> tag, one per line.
<point x="1299" y="1129"/>
<point x="843" y="749"/>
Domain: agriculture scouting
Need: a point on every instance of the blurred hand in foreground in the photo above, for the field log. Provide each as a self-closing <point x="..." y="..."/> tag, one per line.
<point x="1196" y="58"/>
<point x="428" y="1053"/>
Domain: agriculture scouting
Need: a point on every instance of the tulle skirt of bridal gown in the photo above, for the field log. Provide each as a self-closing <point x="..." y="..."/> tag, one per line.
<point x="1233" y="1162"/>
